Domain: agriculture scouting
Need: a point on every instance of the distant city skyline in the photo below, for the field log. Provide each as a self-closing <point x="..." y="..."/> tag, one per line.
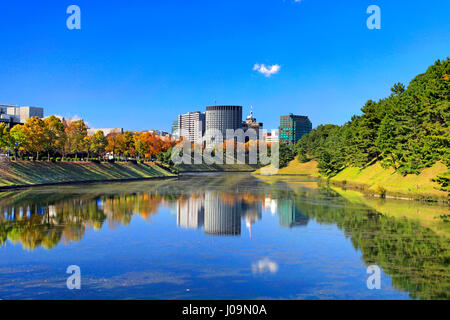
<point x="139" y="65"/>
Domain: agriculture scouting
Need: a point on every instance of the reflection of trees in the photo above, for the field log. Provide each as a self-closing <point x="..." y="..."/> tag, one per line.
<point x="417" y="260"/>
<point x="31" y="234"/>
<point x="46" y="225"/>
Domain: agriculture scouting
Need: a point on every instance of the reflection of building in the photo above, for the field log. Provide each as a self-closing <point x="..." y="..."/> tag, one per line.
<point x="222" y="218"/>
<point x="293" y="127"/>
<point x="271" y="204"/>
<point x="289" y="215"/>
<point x="221" y="118"/>
<point x="191" y="126"/>
<point x="190" y="212"/>
<point x="218" y="214"/>
<point x="251" y="214"/>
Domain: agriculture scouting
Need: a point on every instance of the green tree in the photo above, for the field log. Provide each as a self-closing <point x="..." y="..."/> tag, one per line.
<point x="287" y="153"/>
<point x="35" y="134"/>
<point x="407" y="131"/>
<point x="76" y="137"/>
<point x="129" y="148"/>
<point x="55" y="135"/>
<point x="98" y="143"/>
<point x="6" y="141"/>
<point x="19" y="139"/>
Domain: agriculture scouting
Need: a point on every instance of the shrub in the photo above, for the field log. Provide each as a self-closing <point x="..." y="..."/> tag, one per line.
<point x="381" y="191"/>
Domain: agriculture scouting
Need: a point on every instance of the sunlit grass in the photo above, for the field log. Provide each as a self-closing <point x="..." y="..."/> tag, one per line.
<point x="31" y="173"/>
<point x="412" y="185"/>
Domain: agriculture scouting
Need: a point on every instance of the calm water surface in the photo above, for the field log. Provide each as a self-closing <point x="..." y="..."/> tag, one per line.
<point x="213" y="237"/>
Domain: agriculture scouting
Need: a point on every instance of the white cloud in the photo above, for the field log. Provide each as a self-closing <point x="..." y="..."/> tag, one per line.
<point x="265" y="265"/>
<point x="267" y="71"/>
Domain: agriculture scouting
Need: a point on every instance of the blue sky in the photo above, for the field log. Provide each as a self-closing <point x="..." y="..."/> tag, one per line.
<point x="138" y="64"/>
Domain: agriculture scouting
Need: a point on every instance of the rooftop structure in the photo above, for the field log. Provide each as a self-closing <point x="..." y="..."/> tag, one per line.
<point x="13" y="114"/>
<point x="251" y="123"/>
<point x="106" y="131"/>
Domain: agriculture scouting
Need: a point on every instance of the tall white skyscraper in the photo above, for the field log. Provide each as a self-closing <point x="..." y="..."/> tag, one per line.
<point x="191" y="126"/>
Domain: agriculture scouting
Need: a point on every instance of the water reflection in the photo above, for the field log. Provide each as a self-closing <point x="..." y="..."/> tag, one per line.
<point x="218" y="214"/>
<point x="46" y="221"/>
<point x="417" y="260"/>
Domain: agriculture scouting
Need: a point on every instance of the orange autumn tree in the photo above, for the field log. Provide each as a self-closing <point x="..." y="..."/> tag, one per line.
<point x="149" y="144"/>
<point x="116" y="144"/>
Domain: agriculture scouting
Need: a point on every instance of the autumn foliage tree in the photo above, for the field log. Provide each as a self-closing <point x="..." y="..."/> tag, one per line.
<point x="70" y="138"/>
<point x="6" y="142"/>
<point x="98" y="143"/>
<point x="55" y="135"/>
<point x="35" y="135"/>
<point x="76" y="137"/>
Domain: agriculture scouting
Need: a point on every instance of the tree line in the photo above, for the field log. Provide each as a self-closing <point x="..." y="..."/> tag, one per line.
<point x="52" y="138"/>
<point x="407" y="131"/>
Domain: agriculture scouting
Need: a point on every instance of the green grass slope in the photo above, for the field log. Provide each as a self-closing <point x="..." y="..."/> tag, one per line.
<point x="375" y="178"/>
<point x="21" y="173"/>
<point x="297" y="168"/>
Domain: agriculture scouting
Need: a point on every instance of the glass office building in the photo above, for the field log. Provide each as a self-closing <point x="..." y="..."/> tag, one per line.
<point x="293" y="127"/>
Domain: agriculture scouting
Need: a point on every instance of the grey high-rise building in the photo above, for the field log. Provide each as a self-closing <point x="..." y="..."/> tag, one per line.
<point x="174" y="127"/>
<point x="190" y="212"/>
<point x="221" y="118"/>
<point x="191" y="126"/>
<point x="222" y="217"/>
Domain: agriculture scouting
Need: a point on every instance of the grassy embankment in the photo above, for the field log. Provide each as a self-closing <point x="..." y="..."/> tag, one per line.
<point x="428" y="214"/>
<point x="25" y="173"/>
<point x="296" y="168"/>
<point x="376" y="181"/>
<point x="216" y="167"/>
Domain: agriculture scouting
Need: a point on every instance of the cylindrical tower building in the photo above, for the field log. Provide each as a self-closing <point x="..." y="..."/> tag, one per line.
<point x="222" y="218"/>
<point x="221" y="118"/>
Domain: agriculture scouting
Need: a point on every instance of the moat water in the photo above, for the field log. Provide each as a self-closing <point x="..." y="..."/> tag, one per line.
<point x="218" y="236"/>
